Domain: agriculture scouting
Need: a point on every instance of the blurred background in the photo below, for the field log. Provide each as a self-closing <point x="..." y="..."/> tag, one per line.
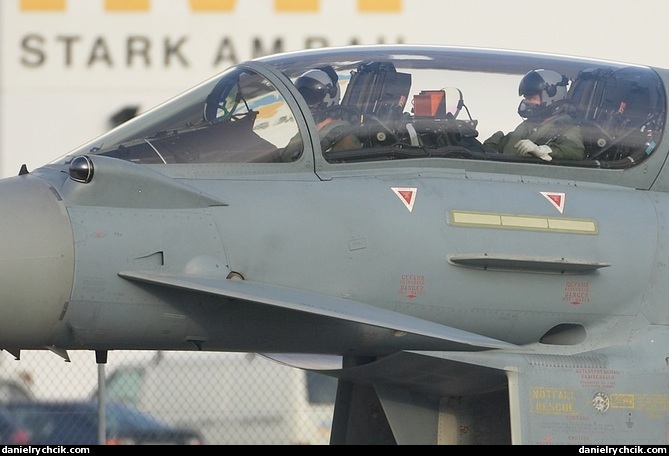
<point x="223" y="398"/>
<point x="72" y="69"/>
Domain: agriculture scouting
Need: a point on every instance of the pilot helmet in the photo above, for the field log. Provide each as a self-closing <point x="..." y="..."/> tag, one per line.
<point x="319" y="88"/>
<point x="550" y="85"/>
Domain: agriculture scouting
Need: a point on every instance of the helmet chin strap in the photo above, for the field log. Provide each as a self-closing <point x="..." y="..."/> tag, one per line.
<point x="529" y="110"/>
<point x="537" y="112"/>
<point x="318" y="111"/>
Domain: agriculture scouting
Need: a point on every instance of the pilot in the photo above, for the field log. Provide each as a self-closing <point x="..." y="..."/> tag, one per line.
<point x="320" y="89"/>
<point x="548" y="130"/>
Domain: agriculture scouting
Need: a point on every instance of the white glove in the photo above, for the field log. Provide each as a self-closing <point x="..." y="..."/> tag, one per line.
<point x="527" y="147"/>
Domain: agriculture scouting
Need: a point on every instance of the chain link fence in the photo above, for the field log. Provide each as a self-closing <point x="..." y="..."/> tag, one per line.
<point x="227" y="398"/>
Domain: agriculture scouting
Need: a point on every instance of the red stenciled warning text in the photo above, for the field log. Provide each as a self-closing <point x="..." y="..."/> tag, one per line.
<point x="576" y="292"/>
<point x="412" y="285"/>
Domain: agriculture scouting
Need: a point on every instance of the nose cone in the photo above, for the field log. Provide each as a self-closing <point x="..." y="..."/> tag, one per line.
<point x="36" y="262"/>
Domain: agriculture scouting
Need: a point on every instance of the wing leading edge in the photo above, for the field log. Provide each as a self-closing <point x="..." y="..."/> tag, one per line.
<point x="316" y="304"/>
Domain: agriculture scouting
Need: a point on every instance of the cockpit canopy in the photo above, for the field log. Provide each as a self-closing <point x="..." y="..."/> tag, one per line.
<point x="399" y="103"/>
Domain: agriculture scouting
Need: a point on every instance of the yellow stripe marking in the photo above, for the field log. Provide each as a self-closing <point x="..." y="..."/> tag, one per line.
<point x="281" y="6"/>
<point x="380" y="6"/>
<point x="127" y="5"/>
<point x="42" y="5"/>
<point x="285" y="6"/>
<point x="523" y="222"/>
<point x="516" y="221"/>
<point x="212" y="5"/>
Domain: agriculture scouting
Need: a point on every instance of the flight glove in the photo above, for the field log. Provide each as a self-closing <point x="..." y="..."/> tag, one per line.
<point x="527" y="147"/>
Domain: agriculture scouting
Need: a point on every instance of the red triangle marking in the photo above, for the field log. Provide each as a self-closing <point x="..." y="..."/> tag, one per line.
<point x="556" y="199"/>
<point x="406" y="195"/>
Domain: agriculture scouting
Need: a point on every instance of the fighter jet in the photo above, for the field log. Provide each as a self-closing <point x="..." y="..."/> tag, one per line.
<point x="351" y="211"/>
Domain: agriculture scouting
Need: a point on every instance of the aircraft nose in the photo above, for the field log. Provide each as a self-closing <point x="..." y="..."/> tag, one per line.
<point x="36" y="262"/>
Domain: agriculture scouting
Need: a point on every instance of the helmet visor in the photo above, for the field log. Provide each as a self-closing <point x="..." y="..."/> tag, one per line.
<point x="312" y="95"/>
<point x="531" y="84"/>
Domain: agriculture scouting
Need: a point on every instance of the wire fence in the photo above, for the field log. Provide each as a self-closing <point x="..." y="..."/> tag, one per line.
<point x="163" y="397"/>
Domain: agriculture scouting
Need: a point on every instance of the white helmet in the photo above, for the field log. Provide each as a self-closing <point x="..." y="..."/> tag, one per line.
<point x="319" y="88"/>
<point x="550" y="85"/>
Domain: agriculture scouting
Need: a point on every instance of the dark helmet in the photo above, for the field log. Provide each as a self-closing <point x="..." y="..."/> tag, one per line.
<point x="319" y="88"/>
<point x="550" y="85"/>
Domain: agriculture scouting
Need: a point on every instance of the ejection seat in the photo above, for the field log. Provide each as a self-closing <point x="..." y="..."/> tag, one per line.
<point x="620" y="112"/>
